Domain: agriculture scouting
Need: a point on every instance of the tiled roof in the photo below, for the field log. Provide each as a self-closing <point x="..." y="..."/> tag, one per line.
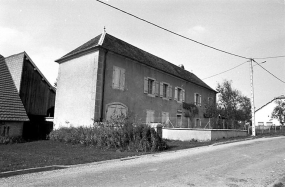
<point x="123" y="48"/>
<point x="11" y="106"/>
<point x="15" y="65"/>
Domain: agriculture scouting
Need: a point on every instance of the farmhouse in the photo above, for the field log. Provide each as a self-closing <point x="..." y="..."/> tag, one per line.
<point x="36" y="94"/>
<point x="12" y="111"/>
<point x="263" y="114"/>
<point x="107" y="76"/>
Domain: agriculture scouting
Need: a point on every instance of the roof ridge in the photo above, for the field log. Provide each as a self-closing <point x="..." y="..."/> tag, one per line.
<point x="42" y="75"/>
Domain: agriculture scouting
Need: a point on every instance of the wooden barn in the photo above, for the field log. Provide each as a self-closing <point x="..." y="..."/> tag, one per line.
<point x="36" y="93"/>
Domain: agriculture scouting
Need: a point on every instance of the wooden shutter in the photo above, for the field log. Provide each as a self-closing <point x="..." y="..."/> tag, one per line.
<point x="195" y="101"/>
<point x="200" y="100"/>
<point x="175" y="94"/>
<point x="145" y="85"/>
<point x="170" y="92"/>
<point x="161" y="89"/>
<point x="122" y="79"/>
<point x="183" y="95"/>
<point x="156" y="88"/>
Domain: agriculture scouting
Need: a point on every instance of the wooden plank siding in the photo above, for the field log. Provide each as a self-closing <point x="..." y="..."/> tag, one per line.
<point x="35" y="92"/>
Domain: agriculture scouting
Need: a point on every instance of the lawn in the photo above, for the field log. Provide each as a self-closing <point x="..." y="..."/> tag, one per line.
<point x="48" y="153"/>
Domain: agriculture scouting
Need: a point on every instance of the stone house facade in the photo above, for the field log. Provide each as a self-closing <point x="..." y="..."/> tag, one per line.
<point x="108" y="76"/>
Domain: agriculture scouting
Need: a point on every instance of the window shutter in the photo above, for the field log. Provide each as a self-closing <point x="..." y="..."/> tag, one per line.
<point x="200" y="99"/>
<point x="195" y="99"/>
<point x="122" y="79"/>
<point x="156" y="88"/>
<point x="175" y="94"/>
<point x="161" y="89"/>
<point x="170" y="92"/>
<point x="145" y="85"/>
<point x="183" y="95"/>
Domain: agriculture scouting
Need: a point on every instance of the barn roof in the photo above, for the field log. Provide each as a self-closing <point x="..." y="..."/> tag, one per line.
<point x="121" y="47"/>
<point x="11" y="106"/>
<point x="15" y="64"/>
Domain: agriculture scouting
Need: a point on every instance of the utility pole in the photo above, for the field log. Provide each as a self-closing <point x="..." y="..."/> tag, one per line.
<point x="252" y="98"/>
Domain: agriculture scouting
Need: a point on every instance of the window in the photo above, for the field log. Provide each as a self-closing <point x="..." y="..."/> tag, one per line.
<point x="118" y="78"/>
<point x="210" y="100"/>
<point x="5" y="131"/>
<point x="165" y="118"/>
<point x="165" y="90"/>
<point x="115" y="109"/>
<point x="179" y="94"/>
<point x="260" y="124"/>
<point x="149" y="116"/>
<point x="269" y="124"/>
<point x="197" y="99"/>
<point x="150" y="86"/>
<point x="197" y="122"/>
<point x="179" y="120"/>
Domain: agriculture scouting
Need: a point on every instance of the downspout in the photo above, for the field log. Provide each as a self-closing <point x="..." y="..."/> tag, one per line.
<point x="103" y="86"/>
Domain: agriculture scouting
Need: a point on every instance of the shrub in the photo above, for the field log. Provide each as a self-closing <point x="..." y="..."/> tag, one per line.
<point x="126" y="136"/>
<point x="11" y="139"/>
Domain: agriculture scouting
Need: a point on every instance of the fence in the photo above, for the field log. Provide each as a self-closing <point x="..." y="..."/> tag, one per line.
<point x="269" y="129"/>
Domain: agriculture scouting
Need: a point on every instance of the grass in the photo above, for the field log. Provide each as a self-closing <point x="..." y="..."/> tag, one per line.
<point x="48" y="153"/>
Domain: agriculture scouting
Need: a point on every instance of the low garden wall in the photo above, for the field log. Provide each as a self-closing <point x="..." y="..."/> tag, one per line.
<point x="187" y="134"/>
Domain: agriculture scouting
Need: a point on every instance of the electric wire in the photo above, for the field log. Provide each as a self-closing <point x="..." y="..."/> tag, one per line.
<point x="267" y="71"/>
<point x="171" y="31"/>
<point x="225" y="71"/>
<point x="230" y="69"/>
<point x="270" y="57"/>
<point x="199" y="43"/>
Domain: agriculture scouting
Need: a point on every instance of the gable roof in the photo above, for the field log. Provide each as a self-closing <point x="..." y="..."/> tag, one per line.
<point x="15" y="64"/>
<point x="279" y="97"/>
<point x="121" y="47"/>
<point x="11" y="106"/>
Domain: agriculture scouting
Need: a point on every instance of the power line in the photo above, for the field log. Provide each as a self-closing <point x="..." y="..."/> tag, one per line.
<point x="271" y="57"/>
<point x="172" y="31"/>
<point x="268" y="71"/>
<point x="230" y="70"/>
<point x="282" y="56"/>
<point x="225" y="71"/>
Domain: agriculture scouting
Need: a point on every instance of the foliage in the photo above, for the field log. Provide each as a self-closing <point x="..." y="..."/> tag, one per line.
<point x="192" y="110"/>
<point x="11" y="139"/>
<point x="232" y="106"/>
<point x="119" y="134"/>
<point x="279" y="111"/>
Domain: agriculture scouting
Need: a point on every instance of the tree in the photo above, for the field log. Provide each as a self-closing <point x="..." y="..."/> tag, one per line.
<point x="279" y="111"/>
<point x="232" y="104"/>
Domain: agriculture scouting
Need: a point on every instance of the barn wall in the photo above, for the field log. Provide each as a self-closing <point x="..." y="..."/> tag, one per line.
<point x="35" y="93"/>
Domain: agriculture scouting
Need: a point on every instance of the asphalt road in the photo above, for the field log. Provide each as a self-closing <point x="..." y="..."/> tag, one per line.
<point x="259" y="162"/>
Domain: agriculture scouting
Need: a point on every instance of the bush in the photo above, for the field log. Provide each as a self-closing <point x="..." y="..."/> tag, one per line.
<point x="11" y="139"/>
<point x="126" y="136"/>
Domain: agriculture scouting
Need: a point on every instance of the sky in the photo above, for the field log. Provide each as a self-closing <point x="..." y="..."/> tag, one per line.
<point x="48" y="29"/>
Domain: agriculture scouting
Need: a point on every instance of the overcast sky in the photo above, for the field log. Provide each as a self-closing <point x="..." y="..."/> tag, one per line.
<point x="48" y="29"/>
